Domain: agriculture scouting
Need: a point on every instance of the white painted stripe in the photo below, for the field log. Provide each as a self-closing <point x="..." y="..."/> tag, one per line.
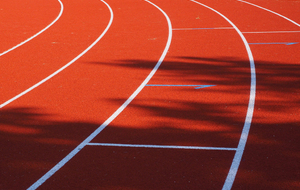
<point x="161" y="146"/>
<point x="114" y="115"/>
<point x="271" y="12"/>
<point x="243" y="139"/>
<point x="267" y="32"/>
<point x="43" y="30"/>
<point x="217" y="28"/>
<point x="78" y="148"/>
<point x="59" y="70"/>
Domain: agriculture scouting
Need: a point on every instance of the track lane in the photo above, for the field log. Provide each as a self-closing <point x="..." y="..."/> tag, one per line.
<point x="65" y="110"/>
<point x="135" y="160"/>
<point x="270" y="156"/>
<point x="150" y="121"/>
<point x="148" y="11"/>
<point x="35" y="35"/>
<point x="17" y="28"/>
<point x="49" y="52"/>
<point x="288" y="9"/>
<point x="60" y="69"/>
<point x="275" y="136"/>
<point x="24" y="128"/>
<point x="248" y="119"/>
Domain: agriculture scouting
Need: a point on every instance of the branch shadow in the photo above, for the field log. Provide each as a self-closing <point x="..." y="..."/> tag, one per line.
<point x="31" y="143"/>
<point x="272" y="151"/>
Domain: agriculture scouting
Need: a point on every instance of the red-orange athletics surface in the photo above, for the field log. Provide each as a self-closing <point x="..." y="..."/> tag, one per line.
<point x="40" y="128"/>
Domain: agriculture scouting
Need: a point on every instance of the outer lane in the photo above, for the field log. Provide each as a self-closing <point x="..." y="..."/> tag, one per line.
<point x="270" y="158"/>
<point x="288" y="9"/>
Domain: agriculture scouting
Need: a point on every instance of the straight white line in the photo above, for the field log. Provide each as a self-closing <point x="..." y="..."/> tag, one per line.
<point x="246" y="128"/>
<point x="114" y="115"/>
<point x="22" y="43"/>
<point x="274" y="43"/>
<point x="271" y="12"/>
<point x="59" y="70"/>
<point x="216" y="28"/>
<point x="161" y="146"/>
<point x="267" y="32"/>
<point x="78" y="148"/>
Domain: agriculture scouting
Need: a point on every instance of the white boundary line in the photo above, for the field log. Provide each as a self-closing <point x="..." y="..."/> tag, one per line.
<point x="59" y="70"/>
<point x="22" y="43"/>
<point x="271" y="12"/>
<point x="216" y="28"/>
<point x="270" y="32"/>
<point x="161" y="146"/>
<point x="246" y="128"/>
<point x="114" y="115"/>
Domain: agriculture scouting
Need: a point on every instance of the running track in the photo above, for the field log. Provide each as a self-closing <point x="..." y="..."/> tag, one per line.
<point x="179" y="130"/>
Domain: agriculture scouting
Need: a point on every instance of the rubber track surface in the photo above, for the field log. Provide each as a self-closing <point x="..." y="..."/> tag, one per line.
<point x="40" y="128"/>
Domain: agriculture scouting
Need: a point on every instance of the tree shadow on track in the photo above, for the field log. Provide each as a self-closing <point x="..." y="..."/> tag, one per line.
<point x="272" y="151"/>
<point x="271" y="76"/>
<point x="176" y="123"/>
<point x="32" y="143"/>
<point x="278" y="82"/>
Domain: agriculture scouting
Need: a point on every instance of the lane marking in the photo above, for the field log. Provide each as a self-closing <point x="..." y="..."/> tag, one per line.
<point x="246" y="128"/>
<point x="59" y="70"/>
<point x="270" y="32"/>
<point x="43" y="30"/>
<point x="161" y="146"/>
<point x="115" y="114"/>
<point x="270" y="12"/>
<point x="217" y="28"/>
<point x="280" y="43"/>
<point x="178" y="85"/>
<point x="40" y="181"/>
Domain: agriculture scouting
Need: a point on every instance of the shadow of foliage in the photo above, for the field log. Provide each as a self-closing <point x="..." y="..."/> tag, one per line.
<point x="31" y="143"/>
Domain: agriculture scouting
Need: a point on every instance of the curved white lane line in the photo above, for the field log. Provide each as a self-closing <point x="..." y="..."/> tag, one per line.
<point x="271" y="12"/>
<point x="243" y="139"/>
<point x="62" y="68"/>
<point x="22" y="43"/>
<point x="113" y="116"/>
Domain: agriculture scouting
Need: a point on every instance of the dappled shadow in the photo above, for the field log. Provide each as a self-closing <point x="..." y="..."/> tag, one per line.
<point x="272" y="151"/>
<point x="272" y="76"/>
<point x="32" y="142"/>
<point x="278" y="81"/>
<point x="177" y="123"/>
<point x="189" y="68"/>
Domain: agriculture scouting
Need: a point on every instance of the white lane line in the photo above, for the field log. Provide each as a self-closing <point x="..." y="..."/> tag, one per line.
<point x="180" y="85"/>
<point x="216" y="28"/>
<point x="161" y="146"/>
<point x="59" y="70"/>
<point x="22" y="43"/>
<point x="115" y="114"/>
<point x="297" y="24"/>
<point x="245" y="132"/>
<point x="270" y="32"/>
<point x="274" y="43"/>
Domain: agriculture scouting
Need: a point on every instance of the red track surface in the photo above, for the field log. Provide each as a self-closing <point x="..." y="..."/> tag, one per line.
<point x="42" y="127"/>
